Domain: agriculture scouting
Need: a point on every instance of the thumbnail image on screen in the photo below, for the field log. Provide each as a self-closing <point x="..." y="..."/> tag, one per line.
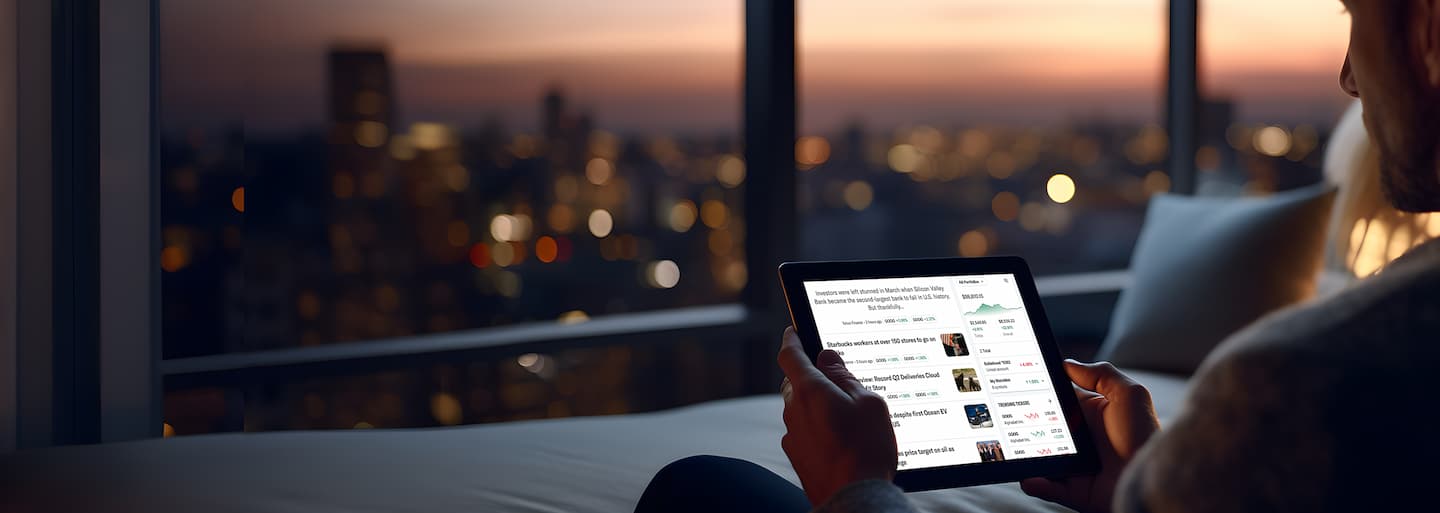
<point x="990" y="450"/>
<point x="954" y="344"/>
<point x="966" y="380"/>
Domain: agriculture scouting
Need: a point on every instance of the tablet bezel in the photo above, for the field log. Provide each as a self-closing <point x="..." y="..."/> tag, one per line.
<point x="1085" y="460"/>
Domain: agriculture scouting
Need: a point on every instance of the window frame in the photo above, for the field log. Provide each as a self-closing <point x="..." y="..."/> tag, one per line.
<point x="79" y="400"/>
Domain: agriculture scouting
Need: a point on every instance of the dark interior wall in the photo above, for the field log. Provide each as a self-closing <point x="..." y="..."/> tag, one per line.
<point x="7" y="225"/>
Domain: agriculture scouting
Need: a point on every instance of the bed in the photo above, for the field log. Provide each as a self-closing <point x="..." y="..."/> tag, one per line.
<point x="589" y="464"/>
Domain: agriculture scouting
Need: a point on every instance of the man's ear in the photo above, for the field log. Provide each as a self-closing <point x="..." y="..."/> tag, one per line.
<point x="1426" y="18"/>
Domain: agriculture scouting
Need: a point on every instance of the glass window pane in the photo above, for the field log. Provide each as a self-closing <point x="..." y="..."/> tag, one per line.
<point x="1270" y="92"/>
<point x="337" y="170"/>
<point x="940" y="128"/>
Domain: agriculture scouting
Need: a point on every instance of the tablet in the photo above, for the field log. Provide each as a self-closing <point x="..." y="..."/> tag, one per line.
<point x="962" y="353"/>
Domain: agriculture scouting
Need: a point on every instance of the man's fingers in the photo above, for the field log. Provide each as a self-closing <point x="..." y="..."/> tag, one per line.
<point x="794" y="362"/>
<point x="833" y="367"/>
<point x="1137" y="421"/>
<point x="1083" y="394"/>
<point x="1102" y="377"/>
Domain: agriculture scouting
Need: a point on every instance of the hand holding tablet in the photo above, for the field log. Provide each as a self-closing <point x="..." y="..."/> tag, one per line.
<point x="827" y="459"/>
<point x="961" y="353"/>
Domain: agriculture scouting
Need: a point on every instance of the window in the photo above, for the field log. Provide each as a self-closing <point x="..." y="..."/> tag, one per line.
<point x="402" y="174"/>
<point x="1266" y="114"/>
<point x="337" y="172"/>
<point x="936" y="128"/>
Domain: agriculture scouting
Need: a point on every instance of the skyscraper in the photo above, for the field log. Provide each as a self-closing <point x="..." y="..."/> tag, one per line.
<point x="373" y="253"/>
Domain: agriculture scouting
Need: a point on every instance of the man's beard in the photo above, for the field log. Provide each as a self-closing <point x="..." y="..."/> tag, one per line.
<point x="1410" y="176"/>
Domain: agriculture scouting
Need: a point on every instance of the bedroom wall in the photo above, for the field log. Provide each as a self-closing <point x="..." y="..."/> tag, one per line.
<point x="8" y="377"/>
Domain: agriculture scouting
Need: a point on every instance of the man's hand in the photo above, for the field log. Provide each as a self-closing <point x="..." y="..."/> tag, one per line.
<point x="837" y="431"/>
<point x="1121" y="419"/>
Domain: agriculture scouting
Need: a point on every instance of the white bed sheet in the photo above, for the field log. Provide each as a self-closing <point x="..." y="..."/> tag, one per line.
<point x="599" y="464"/>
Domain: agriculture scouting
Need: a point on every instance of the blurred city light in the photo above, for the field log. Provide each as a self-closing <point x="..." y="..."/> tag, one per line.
<point x="973" y="244"/>
<point x="598" y="171"/>
<point x="237" y="199"/>
<point x="546" y="249"/>
<point x="682" y="216"/>
<point x="174" y="258"/>
<point x="480" y="255"/>
<point x="858" y="195"/>
<point x="904" y="158"/>
<point x="1000" y="165"/>
<point x="1061" y="188"/>
<point x="371" y="134"/>
<point x="663" y="274"/>
<point x="446" y="409"/>
<point x="811" y="151"/>
<point x="714" y="213"/>
<point x="573" y="317"/>
<point x="731" y="171"/>
<point x="1272" y="141"/>
<point x="601" y="223"/>
<point x="1005" y="206"/>
<point x="561" y="218"/>
<point x="503" y="254"/>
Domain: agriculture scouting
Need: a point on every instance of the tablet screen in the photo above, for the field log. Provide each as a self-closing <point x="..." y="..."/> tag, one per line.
<point x="956" y="359"/>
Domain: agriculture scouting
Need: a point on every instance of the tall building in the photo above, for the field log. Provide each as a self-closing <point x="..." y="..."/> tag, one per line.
<point x="371" y="233"/>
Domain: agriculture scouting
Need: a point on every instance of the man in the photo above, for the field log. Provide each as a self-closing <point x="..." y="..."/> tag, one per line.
<point x="1271" y="423"/>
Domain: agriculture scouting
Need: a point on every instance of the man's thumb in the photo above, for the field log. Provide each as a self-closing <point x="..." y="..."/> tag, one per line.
<point x="830" y="364"/>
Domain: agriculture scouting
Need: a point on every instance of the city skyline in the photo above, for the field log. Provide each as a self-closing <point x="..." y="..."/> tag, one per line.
<point x="647" y="67"/>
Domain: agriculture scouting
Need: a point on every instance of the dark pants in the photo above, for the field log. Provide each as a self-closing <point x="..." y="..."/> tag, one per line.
<point x="712" y="483"/>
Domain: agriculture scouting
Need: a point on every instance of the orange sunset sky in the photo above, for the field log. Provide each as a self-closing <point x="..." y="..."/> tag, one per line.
<point x="667" y="65"/>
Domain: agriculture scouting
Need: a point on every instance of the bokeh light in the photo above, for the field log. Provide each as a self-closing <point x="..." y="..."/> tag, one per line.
<point x="1272" y="141"/>
<point x="457" y="178"/>
<point x="973" y="244"/>
<point x="546" y="249"/>
<point x="599" y="171"/>
<point x="503" y="254"/>
<point x="731" y="171"/>
<point x="371" y="134"/>
<point x="508" y="228"/>
<point x="573" y="317"/>
<point x="811" y="151"/>
<point x="682" y="216"/>
<point x="237" y="199"/>
<point x="1061" y="188"/>
<point x="480" y="255"/>
<point x="446" y="409"/>
<point x="663" y="274"/>
<point x="904" y="158"/>
<point x="714" y="213"/>
<point x="174" y="258"/>
<point x="858" y="195"/>
<point x="561" y="218"/>
<point x="1005" y="206"/>
<point x="601" y="223"/>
